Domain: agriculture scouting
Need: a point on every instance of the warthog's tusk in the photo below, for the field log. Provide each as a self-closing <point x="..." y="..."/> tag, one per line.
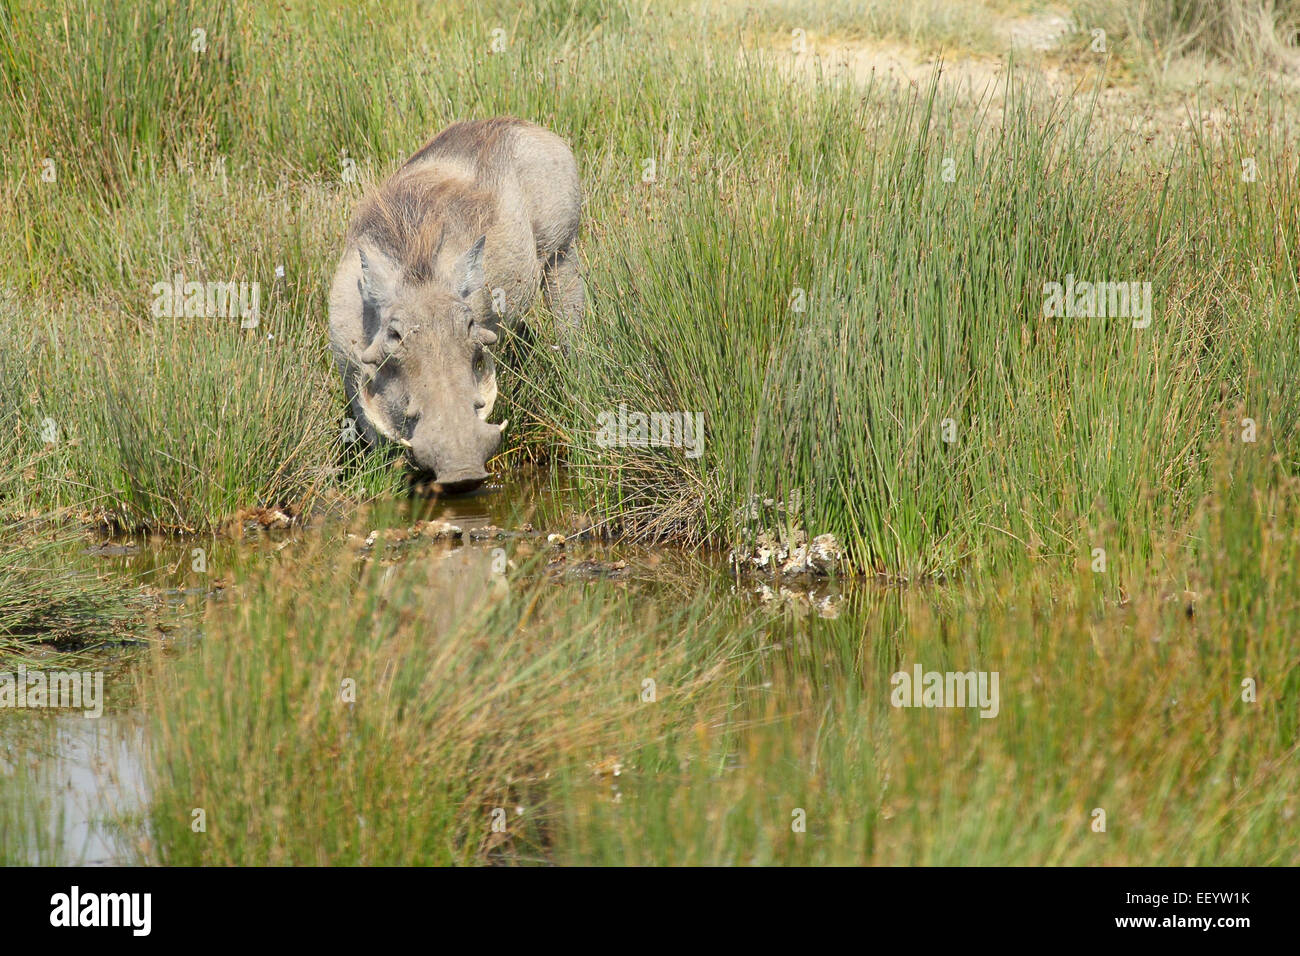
<point x="502" y="426"/>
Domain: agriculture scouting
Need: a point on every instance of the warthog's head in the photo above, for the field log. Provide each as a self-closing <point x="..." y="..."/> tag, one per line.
<point x="427" y="381"/>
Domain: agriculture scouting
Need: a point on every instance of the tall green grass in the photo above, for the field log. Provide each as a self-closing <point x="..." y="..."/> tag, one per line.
<point x="524" y="704"/>
<point x="1256" y="35"/>
<point x="929" y="25"/>
<point x="45" y="600"/>
<point x="343" y="717"/>
<point x="922" y="296"/>
<point x="1134" y="709"/>
<point x="923" y="302"/>
<point x="32" y="822"/>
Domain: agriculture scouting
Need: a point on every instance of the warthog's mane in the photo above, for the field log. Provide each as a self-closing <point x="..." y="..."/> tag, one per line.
<point x="410" y="217"/>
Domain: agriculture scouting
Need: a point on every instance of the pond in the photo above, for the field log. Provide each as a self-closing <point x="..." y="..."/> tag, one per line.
<point x="77" y="786"/>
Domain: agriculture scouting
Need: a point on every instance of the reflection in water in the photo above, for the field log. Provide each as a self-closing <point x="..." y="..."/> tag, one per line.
<point x="82" y="782"/>
<point x="533" y="498"/>
<point x="75" y="787"/>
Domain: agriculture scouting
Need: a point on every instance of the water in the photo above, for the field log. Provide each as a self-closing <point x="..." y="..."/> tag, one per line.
<point x="72" y="787"/>
<point x="79" y="786"/>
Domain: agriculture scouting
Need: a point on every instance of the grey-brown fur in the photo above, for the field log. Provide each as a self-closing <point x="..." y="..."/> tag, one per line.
<point x="452" y="245"/>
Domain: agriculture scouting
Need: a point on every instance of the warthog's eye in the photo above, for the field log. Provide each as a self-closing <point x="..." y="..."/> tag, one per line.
<point x="479" y="363"/>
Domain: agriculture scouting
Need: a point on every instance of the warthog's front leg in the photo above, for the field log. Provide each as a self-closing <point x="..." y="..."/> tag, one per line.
<point x="562" y="290"/>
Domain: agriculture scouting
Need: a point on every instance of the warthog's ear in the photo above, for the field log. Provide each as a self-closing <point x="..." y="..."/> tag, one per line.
<point x="469" y="270"/>
<point x="377" y="275"/>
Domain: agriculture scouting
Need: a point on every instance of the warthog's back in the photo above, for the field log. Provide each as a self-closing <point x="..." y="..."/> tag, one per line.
<point x="541" y="165"/>
<point x="504" y="178"/>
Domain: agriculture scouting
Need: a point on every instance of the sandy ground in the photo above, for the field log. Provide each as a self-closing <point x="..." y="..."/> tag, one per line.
<point x="1053" y="60"/>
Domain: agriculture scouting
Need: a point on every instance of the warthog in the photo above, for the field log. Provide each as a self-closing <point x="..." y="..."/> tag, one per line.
<point x="452" y="246"/>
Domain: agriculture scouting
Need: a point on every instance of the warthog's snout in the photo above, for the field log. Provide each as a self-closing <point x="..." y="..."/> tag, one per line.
<point x="458" y="465"/>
